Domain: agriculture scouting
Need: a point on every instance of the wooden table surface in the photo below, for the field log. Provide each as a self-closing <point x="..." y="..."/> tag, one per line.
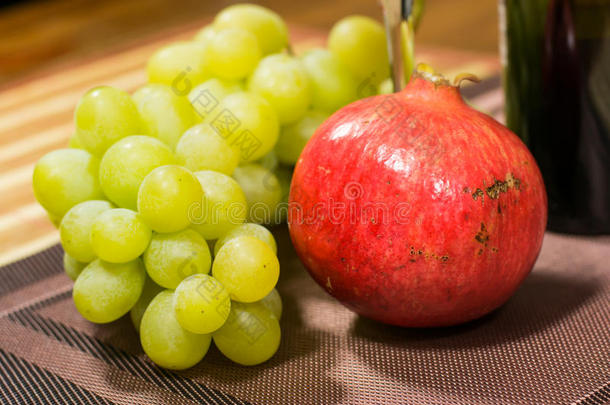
<point x="36" y="34"/>
<point x="53" y="51"/>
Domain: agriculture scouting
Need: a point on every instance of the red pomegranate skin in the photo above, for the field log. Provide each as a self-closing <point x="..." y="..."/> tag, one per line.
<point x="458" y="211"/>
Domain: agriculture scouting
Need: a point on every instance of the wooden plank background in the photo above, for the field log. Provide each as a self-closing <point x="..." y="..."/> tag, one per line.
<point x="38" y="33"/>
<point x="36" y="115"/>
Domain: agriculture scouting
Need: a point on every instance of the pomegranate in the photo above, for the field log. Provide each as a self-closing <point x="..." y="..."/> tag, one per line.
<point x="414" y="209"/>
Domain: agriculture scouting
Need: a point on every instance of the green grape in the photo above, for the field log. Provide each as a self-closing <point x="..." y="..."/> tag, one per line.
<point x="232" y="53"/>
<point x="284" y="82"/>
<point x="65" y="177"/>
<point x="103" y="116"/>
<point x="75" y="228"/>
<point x="386" y="86"/>
<point x="167" y="198"/>
<point x="202" y="148"/>
<point x="294" y="137"/>
<point x="73" y="267"/>
<point x="248" y="123"/>
<point x="273" y="302"/>
<point x="250" y="336"/>
<point x="150" y="291"/>
<point x="201" y="303"/>
<point x="205" y="34"/>
<point x="333" y="85"/>
<point x="360" y="44"/>
<point x="165" y="114"/>
<point x="126" y="163"/>
<point x="247" y="267"/>
<point x="165" y="341"/>
<point x="181" y="65"/>
<point x="119" y="235"/>
<point x="266" y="25"/>
<point x="226" y="205"/>
<point x="104" y="291"/>
<point x="170" y="258"/>
<point x="74" y="142"/>
<point x="206" y="97"/>
<point x="262" y="190"/>
<point x="255" y="230"/>
<point x="55" y="220"/>
<point x="269" y="161"/>
<point x="284" y="176"/>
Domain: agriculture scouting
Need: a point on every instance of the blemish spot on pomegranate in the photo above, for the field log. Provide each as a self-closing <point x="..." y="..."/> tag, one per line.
<point x="482" y="236"/>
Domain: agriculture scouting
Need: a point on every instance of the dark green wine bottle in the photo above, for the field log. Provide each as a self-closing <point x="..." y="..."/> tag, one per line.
<point x="556" y="58"/>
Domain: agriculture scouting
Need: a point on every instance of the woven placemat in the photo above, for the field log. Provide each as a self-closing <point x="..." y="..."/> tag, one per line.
<point x="550" y="344"/>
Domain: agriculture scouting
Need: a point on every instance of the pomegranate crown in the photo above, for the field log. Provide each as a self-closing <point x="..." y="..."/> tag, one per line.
<point x="426" y="72"/>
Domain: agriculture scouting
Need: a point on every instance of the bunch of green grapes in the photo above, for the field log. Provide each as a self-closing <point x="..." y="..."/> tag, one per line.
<point x="139" y="243"/>
<point x="162" y="196"/>
<point x="136" y="227"/>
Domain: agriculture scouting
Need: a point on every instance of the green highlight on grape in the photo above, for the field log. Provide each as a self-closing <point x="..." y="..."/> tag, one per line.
<point x="206" y="97"/>
<point x="65" y="177"/>
<point x="75" y="229"/>
<point x="167" y="198"/>
<point x="359" y="42"/>
<point x="181" y="65"/>
<point x="268" y="27"/>
<point x="166" y="342"/>
<point x="202" y="148"/>
<point x="201" y="303"/>
<point x="205" y="34"/>
<point x="172" y="257"/>
<point x="165" y="113"/>
<point x="262" y="190"/>
<point x="126" y="163"/>
<point x="250" y="336"/>
<point x="103" y="116"/>
<point x="255" y="230"/>
<point x="119" y="235"/>
<point x="333" y="85"/>
<point x="247" y="267"/>
<point x="294" y="137"/>
<point x="225" y="208"/>
<point x="232" y="53"/>
<point x="248" y="123"/>
<point x="104" y="292"/>
<point x="284" y="82"/>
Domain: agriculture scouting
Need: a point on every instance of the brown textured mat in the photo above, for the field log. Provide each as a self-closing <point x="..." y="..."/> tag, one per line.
<point x="550" y="344"/>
